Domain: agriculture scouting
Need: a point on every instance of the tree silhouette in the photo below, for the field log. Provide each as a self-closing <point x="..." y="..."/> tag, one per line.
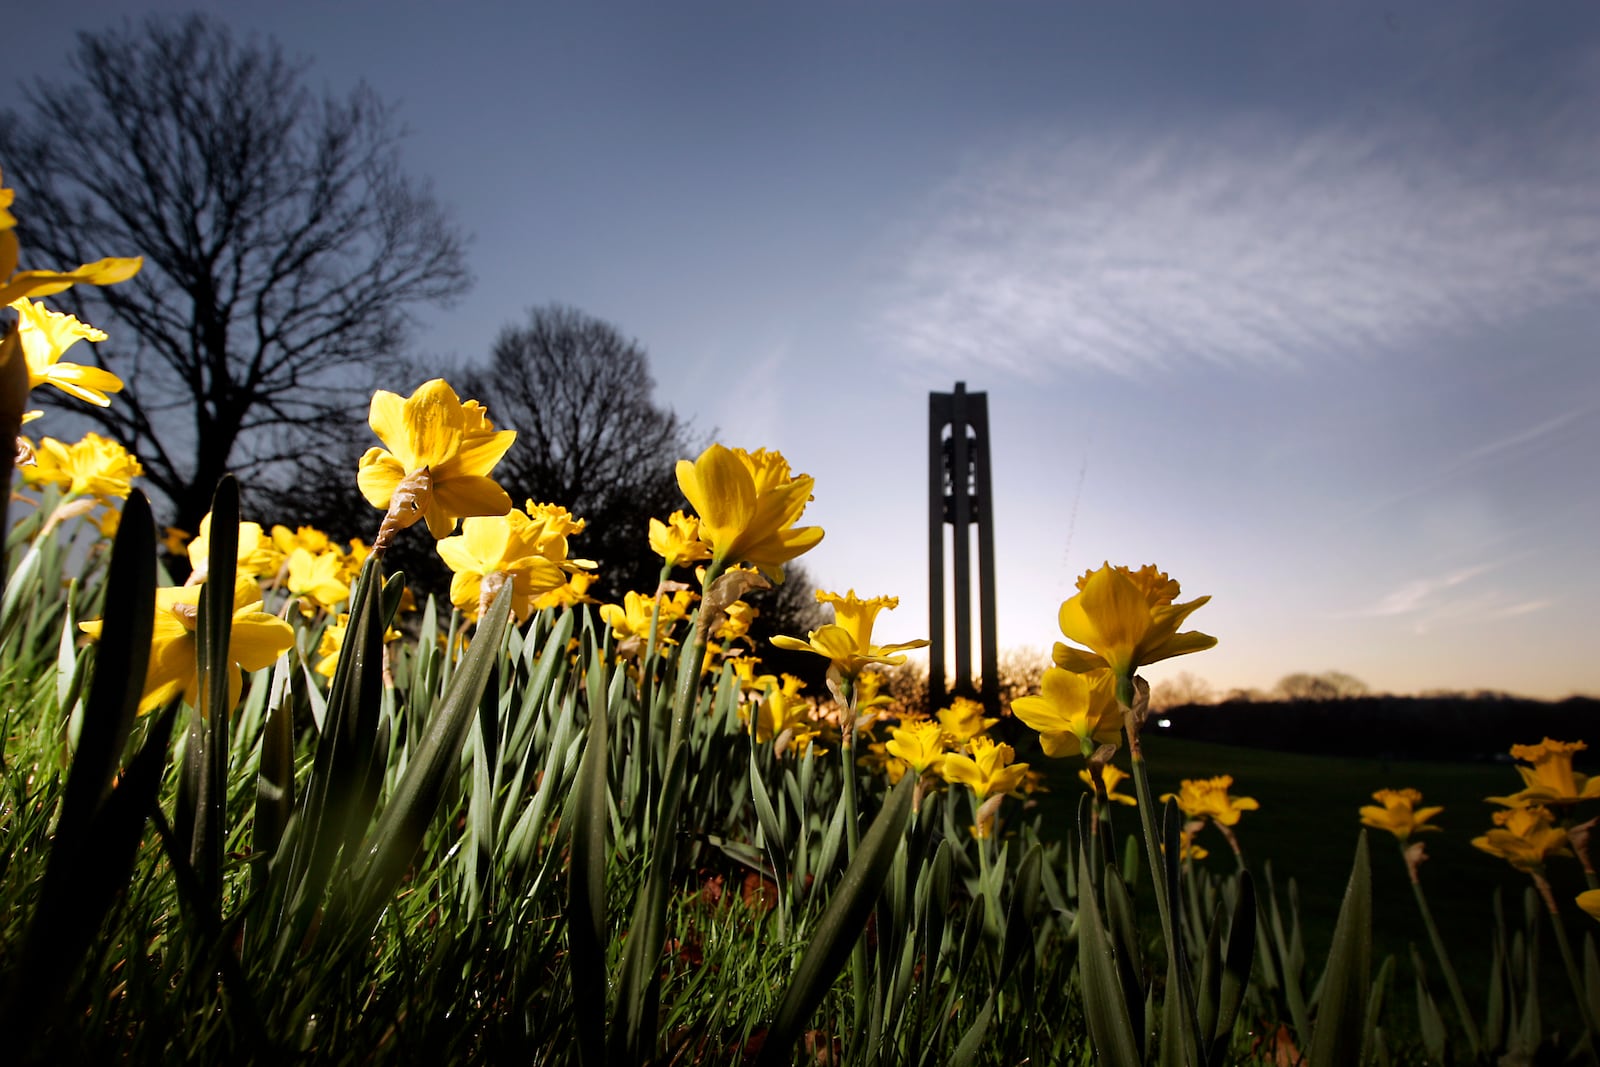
<point x="285" y="251"/>
<point x="590" y="435"/>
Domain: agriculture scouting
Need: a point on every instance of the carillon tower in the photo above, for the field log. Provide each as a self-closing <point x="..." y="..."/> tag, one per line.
<point x="960" y="497"/>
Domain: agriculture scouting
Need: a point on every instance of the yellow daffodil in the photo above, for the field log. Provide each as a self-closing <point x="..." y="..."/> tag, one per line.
<point x="15" y="286"/>
<point x="1548" y="777"/>
<point x="1589" y="901"/>
<point x="258" y="556"/>
<point x="108" y="522"/>
<point x="847" y="641"/>
<point x="455" y="443"/>
<point x="748" y="504"/>
<point x="1126" y="619"/>
<point x="1074" y="713"/>
<point x="93" y="466"/>
<point x="632" y="619"/>
<point x="735" y="625"/>
<point x="1399" y="814"/>
<point x="174" y="540"/>
<point x="45" y="337"/>
<point x="782" y="710"/>
<point x="963" y="720"/>
<point x="309" y="538"/>
<point x="1201" y="798"/>
<point x="1114" y="777"/>
<point x="256" y="639"/>
<point x="869" y="692"/>
<point x="1525" y="838"/>
<point x="573" y="593"/>
<point x="332" y="641"/>
<point x="878" y="759"/>
<point x="1188" y="851"/>
<point x="530" y="553"/>
<point x="677" y="541"/>
<point x="920" y="745"/>
<point x="316" y="577"/>
<point x="988" y="771"/>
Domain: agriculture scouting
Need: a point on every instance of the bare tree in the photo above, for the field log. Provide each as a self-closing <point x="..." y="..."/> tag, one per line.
<point x="1181" y="691"/>
<point x="284" y="248"/>
<point x="1329" y="685"/>
<point x="590" y="435"/>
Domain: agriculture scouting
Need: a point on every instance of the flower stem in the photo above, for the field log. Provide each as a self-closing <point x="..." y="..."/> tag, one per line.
<point x="1565" y="946"/>
<point x="1468" y="1023"/>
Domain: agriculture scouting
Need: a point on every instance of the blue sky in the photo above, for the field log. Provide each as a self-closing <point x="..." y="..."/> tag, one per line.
<point x="1300" y="304"/>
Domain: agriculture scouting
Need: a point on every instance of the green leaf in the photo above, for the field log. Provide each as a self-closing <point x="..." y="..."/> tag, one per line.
<point x="1110" y="1025"/>
<point x="841" y="924"/>
<point x="1236" y="966"/>
<point x="394" y="840"/>
<point x="1341" y="1012"/>
<point x="586" y="890"/>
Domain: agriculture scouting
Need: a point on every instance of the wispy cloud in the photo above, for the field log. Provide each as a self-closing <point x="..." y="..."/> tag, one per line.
<point x="1256" y="241"/>
<point x="1453" y="597"/>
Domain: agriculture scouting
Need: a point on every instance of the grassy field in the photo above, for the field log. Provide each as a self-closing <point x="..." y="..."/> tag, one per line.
<point x="1308" y="826"/>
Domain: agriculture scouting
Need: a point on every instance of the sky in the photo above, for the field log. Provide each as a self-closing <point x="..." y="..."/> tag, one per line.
<point x="1298" y="302"/>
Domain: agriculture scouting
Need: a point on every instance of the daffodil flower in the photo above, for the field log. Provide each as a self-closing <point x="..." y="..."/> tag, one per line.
<point x="920" y="746"/>
<point x="1113" y="777"/>
<point x="988" y="771"/>
<point x="45" y="337"/>
<point x="1525" y="838"/>
<point x="963" y="720"/>
<point x="432" y="431"/>
<point x="257" y="556"/>
<point x="316" y="577"/>
<point x="93" y="466"/>
<point x="748" y="503"/>
<point x="1074" y="713"/>
<point x="634" y="616"/>
<point x="256" y="639"/>
<point x="847" y="641"/>
<point x="1399" y="814"/>
<point x="1548" y="777"/>
<point x="1201" y="798"/>
<point x="15" y="286"/>
<point x="782" y="710"/>
<point x="677" y="541"/>
<point x="1126" y="619"/>
<point x="531" y="554"/>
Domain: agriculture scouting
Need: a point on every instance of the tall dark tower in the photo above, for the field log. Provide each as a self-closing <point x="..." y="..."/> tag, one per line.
<point x="960" y="495"/>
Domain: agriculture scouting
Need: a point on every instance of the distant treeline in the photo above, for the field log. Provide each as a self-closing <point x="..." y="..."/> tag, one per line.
<point x="1455" y="727"/>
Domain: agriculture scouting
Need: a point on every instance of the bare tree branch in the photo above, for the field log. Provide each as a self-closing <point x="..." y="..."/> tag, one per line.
<point x="285" y="251"/>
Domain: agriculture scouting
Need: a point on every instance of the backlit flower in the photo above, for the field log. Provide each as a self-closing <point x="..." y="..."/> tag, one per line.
<point x="963" y="720"/>
<point x="633" y="617"/>
<point x="988" y="771"/>
<point x="782" y="710"/>
<point x="1589" y="901"/>
<point x="677" y="541"/>
<point x="573" y="593"/>
<point x="1114" y="777"/>
<point x="1525" y="838"/>
<point x="256" y="639"/>
<point x="1126" y="619"/>
<point x="1074" y="713"/>
<point x="15" y="286"/>
<point x="531" y="554"/>
<point x="94" y="466"/>
<point x="455" y="443"/>
<point x="45" y="336"/>
<point x="1399" y="814"/>
<point x="316" y="577"/>
<point x="1548" y="777"/>
<point x="847" y="641"/>
<point x="309" y="538"/>
<point x="258" y="556"/>
<point x="920" y="745"/>
<point x="748" y="503"/>
<point x="1201" y="798"/>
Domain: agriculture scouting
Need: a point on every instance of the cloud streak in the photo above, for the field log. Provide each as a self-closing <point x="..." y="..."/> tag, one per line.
<point x="1256" y="242"/>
